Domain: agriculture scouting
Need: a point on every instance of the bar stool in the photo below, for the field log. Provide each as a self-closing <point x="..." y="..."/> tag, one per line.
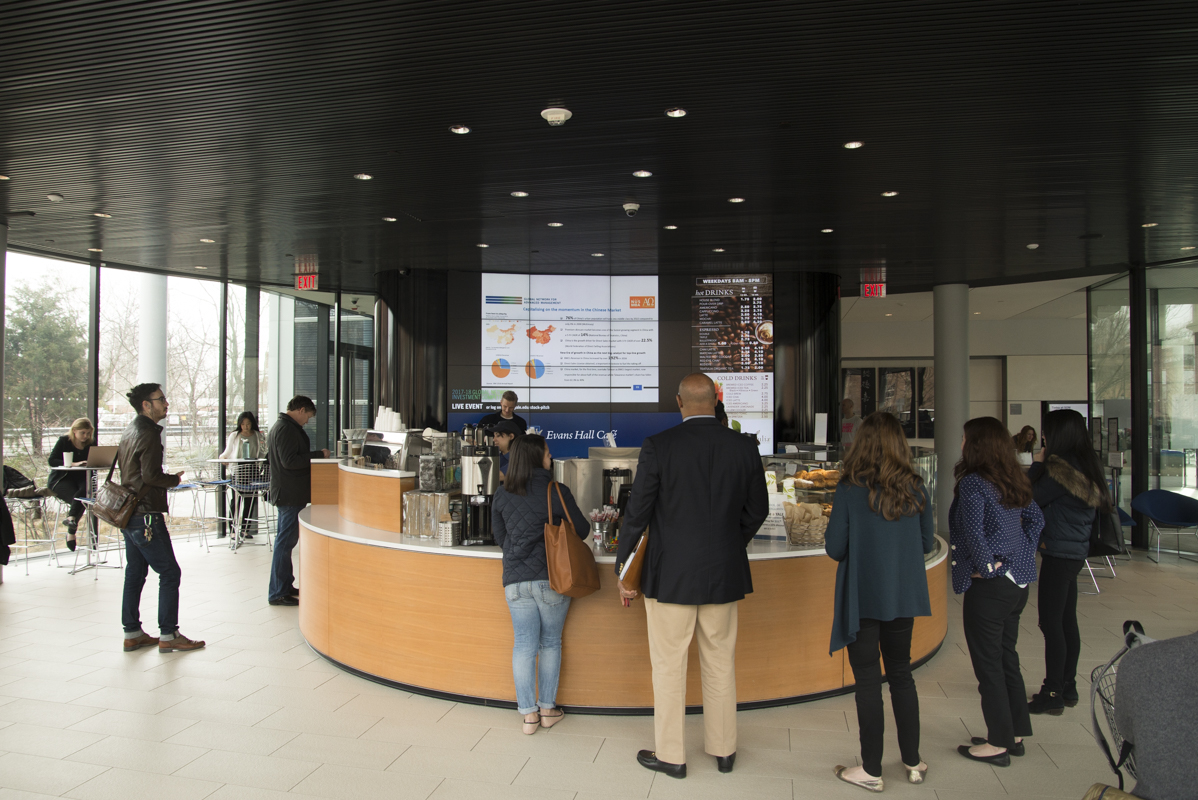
<point x="251" y="483"/>
<point x="192" y="490"/>
<point x="29" y="510"/>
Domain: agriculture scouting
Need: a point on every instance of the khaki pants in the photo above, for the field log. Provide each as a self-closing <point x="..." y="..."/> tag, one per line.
<point x="671" y="628"/>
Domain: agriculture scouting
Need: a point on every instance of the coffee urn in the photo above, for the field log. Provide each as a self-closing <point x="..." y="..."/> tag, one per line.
<point x="480" y="480"/>
<point x="613" y="479"/>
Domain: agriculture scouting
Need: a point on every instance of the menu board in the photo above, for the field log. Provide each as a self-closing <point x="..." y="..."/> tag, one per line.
<point x="732" y="324"/>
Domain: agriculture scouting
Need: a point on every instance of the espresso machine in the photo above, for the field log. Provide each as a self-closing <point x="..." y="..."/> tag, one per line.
<point x="480" y="481"/>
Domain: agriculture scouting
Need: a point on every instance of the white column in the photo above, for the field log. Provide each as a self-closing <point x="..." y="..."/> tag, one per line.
<point x="950" y="322"/>
<point x="151" y="331"/>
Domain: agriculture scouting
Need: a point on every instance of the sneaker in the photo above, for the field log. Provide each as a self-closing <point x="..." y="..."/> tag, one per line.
<point x="180" y="643"/>
<point x="139" y="641"/>
<point x="1046" y="703"/>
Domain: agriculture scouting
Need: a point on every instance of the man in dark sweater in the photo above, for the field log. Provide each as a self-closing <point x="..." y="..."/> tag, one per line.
<point x="290" y="456"/>
<point x="1156" y="709"/>
<point x="507" y="411"/>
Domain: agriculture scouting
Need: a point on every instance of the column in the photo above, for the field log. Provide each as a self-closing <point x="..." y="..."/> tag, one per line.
<point x="1141" y="413"/>
<point x="950" y="310"/>
<point x="151" y="330"/>
<point x="250" y="355"/>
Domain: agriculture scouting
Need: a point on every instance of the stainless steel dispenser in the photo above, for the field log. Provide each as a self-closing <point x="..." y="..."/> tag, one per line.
<point x="480" y="481"/>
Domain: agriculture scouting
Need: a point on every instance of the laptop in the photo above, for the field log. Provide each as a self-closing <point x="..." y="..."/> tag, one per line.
<point x="101" y="456"/>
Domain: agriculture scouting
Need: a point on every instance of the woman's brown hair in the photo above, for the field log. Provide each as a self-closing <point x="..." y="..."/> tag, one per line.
<point x="987" y="453"/>
<point x="528" y="453"/>
<point x="880" y="460"/>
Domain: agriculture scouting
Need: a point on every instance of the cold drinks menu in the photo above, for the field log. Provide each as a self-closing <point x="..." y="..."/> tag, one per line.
<point x="570" y="338"/>
<point x="732" y="324"/>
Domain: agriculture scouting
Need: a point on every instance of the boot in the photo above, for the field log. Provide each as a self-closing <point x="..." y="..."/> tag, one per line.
<point x="1046" y="703"/>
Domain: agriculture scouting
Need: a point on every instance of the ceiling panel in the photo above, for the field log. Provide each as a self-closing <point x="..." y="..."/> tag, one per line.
<point x="999" y="124"/>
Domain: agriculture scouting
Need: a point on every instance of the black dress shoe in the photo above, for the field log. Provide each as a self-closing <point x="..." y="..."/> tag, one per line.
<point x="293" y="593"/>
<point x="285" y="601"/>
<point x="648" y="760"/>
<point x="1000" y="760"/>
<point x="724" y="763"/>
<point x="1017" y="750"/>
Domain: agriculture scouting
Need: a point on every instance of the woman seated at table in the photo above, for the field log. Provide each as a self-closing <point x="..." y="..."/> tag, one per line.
<point x="244" y="442"/>
<point x="70" y="486"/>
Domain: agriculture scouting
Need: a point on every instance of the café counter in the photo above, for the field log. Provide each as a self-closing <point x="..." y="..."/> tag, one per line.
<point x="433" y="620"/>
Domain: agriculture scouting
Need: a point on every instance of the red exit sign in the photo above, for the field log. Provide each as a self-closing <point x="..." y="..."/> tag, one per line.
<point x="873" y="290"/>
<point x="306" y="283"/>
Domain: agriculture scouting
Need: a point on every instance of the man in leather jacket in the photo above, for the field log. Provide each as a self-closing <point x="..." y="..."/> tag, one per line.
<point x="147" y="541"/>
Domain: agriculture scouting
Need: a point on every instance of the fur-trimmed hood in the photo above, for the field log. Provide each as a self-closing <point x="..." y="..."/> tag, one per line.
<point x="1073" y="481"/>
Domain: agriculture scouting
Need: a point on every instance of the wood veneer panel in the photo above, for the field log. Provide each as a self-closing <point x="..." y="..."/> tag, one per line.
<point x="314" y="578"/>
<point x="373" y="500"/>
<point x="325" y="482"/>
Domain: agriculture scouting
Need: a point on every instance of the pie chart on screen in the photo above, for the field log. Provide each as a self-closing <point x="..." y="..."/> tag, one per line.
<point x="535" y="368"/>
<point x="500" y="368"/>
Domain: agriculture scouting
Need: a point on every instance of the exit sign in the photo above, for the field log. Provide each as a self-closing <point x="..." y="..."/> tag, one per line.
<point x="306" y="283"/>
<point x="873" y="290"/>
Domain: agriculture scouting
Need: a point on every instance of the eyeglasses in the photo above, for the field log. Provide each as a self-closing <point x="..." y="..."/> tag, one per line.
<point x="156" y="399"/>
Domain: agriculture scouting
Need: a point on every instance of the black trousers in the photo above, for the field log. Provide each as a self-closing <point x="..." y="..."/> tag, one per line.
<point x="69" y="488"/>
<point x="990" y="612"/>
<point x="1056" y="597"/>
<point x="893" y="637"/>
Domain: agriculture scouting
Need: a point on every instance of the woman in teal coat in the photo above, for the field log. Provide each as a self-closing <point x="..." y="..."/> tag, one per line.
<point x="881" y="527"/>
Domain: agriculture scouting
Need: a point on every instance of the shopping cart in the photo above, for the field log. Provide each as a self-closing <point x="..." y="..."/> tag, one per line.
<point x="1102" y="693"/>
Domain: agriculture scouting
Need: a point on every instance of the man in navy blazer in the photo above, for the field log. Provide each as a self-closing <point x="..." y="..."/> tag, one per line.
<point x="700" y="489"/>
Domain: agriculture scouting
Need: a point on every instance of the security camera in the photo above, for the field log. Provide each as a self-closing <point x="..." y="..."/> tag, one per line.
<point x="631" y="208"/>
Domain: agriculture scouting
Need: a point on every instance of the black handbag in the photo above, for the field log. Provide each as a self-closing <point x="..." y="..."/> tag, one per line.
<point x="1106" y="534"/>
<point x="115" y="504"/>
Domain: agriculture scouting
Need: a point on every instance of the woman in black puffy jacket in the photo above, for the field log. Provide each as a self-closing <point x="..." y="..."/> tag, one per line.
<point x="1069" y="486"/>
<point x="522" y="507"/>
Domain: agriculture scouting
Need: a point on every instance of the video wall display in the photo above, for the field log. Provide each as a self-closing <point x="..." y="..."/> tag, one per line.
<point x="589" y="354"/>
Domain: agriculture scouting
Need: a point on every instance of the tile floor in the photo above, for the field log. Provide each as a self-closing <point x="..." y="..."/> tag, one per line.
<point x="258" y="715"/>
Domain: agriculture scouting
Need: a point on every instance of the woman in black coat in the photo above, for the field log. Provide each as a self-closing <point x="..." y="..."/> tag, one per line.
<point x="1069" y="486"/>
<point x="522" y="507"/>
<point x="70" y="486"/>
<point x="881" y="527"/>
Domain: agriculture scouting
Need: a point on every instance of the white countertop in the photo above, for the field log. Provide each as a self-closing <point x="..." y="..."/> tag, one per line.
<point x="326" y="520"/>
<point x="381" y="473"/>
<point x="326" y="461"/>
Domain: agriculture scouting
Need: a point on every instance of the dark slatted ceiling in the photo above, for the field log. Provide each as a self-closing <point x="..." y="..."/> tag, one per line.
<point x="999" y="123"/>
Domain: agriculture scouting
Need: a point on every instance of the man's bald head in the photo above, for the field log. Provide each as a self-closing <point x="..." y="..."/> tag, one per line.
<point x="696" y="395"/>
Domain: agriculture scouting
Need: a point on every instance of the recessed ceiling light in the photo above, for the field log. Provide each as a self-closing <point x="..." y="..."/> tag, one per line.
<point x="643" y="173"/>
<point x="1032" y="246"/>
<point x="458" y="129"/>
<point x="671" y="227"/>
<point x="519" y="194"/>
<point x="853" y="145"/>
<point x="1191" y="247"/>
<point x="55" y="197"/>
<point x="208" y="241"/>
<point x="826" y="230"/>
<point x="1149" y="225"/>
<point x="102" y="216"/>
<point x="890" y="315"/>
<point x="388" y="219"/>
<point x="736" y="199"/>
<point x="5" y="178"/>
<point x="362" y="176"/>
<point x="889" y="194"/>
<point x="717" y="249"/>
<point x="597" y="255"/>
<point x="976" y="313"/>
<point x="94" y="250"/>
<point x="556" y="116"/>
<point x="200" y="266"/>
<point x="675" y="112"/>
<point x="482" y="245"/>
<point x="555" y="224"/>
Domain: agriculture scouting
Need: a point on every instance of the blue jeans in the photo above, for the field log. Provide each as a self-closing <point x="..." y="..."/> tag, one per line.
<point x="282" y="574"/>
<point x="538" y="616"/>
<point x="142" y="555"/>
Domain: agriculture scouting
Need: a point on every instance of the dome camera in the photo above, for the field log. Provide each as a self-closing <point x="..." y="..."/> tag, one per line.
<point x="631" y="208"/>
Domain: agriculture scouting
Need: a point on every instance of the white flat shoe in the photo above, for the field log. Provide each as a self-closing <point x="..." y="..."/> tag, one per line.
<point x="917" y="773"/>
<point x="872" y="784"/>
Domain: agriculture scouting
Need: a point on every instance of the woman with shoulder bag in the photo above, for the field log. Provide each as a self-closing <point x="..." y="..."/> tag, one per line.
<point x="1069" y="486"/>
<point x="518" y="517"/>
<point x="994" y="529"/>
<point x="881" y="527"/>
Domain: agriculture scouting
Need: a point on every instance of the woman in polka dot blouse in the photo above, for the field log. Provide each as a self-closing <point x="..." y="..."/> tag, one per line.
<point x="994" y="531"/>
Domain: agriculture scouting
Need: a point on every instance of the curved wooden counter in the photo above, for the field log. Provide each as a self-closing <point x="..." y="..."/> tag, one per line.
<point x="434" y="620"/>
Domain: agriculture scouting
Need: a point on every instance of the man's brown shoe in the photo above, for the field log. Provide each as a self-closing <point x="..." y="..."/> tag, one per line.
<point x="144" y="640"/>
<point x="180" y="643"/>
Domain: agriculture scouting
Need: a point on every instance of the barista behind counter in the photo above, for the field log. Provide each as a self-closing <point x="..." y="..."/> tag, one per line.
<point x="506" y="433"/>
<point x="507" y="413"/>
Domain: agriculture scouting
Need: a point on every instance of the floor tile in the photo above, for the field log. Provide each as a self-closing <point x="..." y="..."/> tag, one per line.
<point x="129" y="700"/>
<point x="347" y="783"/>
<point x="545" y="743"/>
<point x="246" y="769"/>
<point x="138" y="754"/>
<point x="209" y="710"/>
<point x="122" y="784"/>
<point x="210" y="688"/>
<point x="360" y="753"/>
<point x="238" y="738"/>
<point x="549" y="773"/>
<point x="39" y="774"/>
<point x="472" y="765"/>
<point x="331" y="723"/>
<point x="315" y="699"/>
<point x="149" y="727"/>
<point x="41" y="712"/>
<point x="38" y="740"/>
<point x="458" y="789"/>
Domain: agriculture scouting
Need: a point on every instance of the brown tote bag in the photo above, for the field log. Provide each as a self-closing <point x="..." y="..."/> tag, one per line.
<point x="572" y="568"/>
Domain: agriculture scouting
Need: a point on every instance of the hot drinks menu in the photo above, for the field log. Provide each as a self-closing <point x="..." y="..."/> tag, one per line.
<point x="732" y="325"/>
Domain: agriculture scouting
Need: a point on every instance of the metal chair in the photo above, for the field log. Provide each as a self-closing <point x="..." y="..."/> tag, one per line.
<point x="192" y="489"/>
<point x="29" y="510"/>
<point x="1171" y="510"/>
<point x="251" y="483"/>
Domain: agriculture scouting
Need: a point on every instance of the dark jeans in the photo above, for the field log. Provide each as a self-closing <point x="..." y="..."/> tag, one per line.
<point x="282" y="573"/>
<point x="68" y="489"/>
<point x="894" y="638"/>
<point x="990" y="613"/>
<point x="143" y="555"/>
<point x="1056" y="597"/>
